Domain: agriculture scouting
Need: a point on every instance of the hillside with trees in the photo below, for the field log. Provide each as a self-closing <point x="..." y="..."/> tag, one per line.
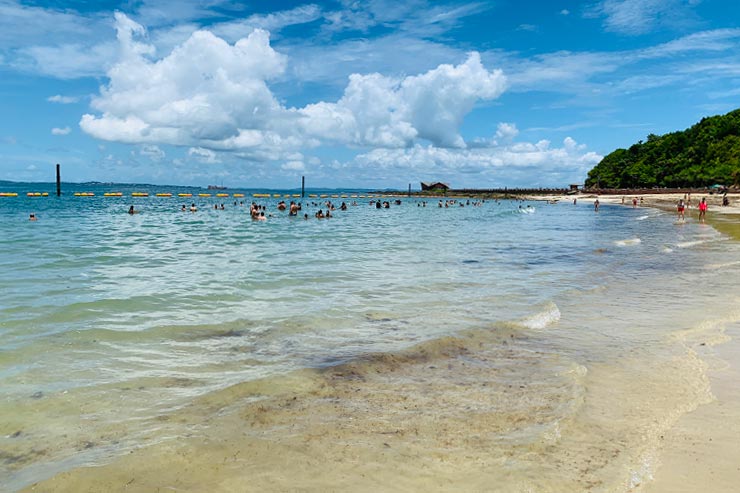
<point x="707" y="153"/>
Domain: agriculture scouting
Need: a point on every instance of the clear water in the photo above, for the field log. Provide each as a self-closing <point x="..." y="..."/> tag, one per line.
<point x="113" y="325"/>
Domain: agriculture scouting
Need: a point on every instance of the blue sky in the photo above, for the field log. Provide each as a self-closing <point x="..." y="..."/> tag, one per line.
<point x="353" y="94"/>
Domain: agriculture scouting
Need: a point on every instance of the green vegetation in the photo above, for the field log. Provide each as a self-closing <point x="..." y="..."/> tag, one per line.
<point x="703" y="155"/>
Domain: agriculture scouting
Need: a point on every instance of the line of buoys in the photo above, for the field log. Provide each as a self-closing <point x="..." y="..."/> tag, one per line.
<point x="168" y="194"/>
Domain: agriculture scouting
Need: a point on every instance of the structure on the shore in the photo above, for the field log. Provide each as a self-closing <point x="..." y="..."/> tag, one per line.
<point x="443" y="187"/>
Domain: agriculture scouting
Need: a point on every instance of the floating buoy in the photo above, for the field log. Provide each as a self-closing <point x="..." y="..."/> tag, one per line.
<point x="184" y="194"/>
<point x="164" y="195"/>
<point x="113" y="194"/>
<point x="204" y="195"/>
<point x="222" y="195"/>
<point x="139" y="194"/>
<point x="8" y="194"/>
<point x="238" y="195"/>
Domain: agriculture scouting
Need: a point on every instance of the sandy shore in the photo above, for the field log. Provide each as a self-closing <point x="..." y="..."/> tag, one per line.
<point x="700" y="452"/>
<point x="725" y="218"/>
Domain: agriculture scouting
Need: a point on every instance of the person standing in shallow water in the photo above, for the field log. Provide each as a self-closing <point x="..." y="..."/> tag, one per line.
<point x="681" y="206"/>
<point x="596" y="205"/>
<point x="703" y="209"/>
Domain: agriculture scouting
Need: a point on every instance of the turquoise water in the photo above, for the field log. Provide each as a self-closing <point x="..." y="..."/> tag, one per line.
<point x="110" y="321"/>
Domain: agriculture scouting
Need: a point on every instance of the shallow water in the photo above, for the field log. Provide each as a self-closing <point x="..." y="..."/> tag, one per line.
<point x="546" y="348"/>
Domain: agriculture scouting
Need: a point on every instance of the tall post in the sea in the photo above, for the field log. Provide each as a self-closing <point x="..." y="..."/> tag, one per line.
<point x="59" y="182"/>
<point x="303" y="186"/>
<point x="409" y="189"/>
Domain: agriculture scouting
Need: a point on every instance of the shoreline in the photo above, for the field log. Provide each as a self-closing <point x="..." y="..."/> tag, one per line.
<point x="698" y="451"/>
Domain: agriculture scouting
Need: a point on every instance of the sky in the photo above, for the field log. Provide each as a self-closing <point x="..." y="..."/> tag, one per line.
<point x="353" y="94"/>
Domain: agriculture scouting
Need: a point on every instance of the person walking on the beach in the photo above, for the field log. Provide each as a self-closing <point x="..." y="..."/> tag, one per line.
<point x="634" y="202"/>
<point x="702" y="209"/>
<point x="681" y="207"/>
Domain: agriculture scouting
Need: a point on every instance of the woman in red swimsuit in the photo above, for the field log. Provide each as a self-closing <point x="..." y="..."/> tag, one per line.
<point x="702" y="209"/>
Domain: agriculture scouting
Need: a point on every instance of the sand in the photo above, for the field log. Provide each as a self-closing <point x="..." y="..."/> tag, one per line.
<point x="700" y="453"/>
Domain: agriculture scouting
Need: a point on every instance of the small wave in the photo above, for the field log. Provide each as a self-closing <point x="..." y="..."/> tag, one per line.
<point x="667" y="250"/>
<point x="628" y="242"/>
<point x="548" y="316"/>
<point x="642" y="218"/>
<point x="721" y="266"/>
<point x="689" y="244"/>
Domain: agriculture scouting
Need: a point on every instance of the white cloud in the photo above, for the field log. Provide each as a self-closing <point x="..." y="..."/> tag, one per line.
<point x="58" y="98"/>
<point x="380" y="111"/>
<point x="152" y="152"/>
<point x="210" y="94"/>
<point x="60" y="131"/>
<point x="634" y="17"/>
<point x="293" y="166"/>
<point x="565" y="12"/>
<point x="205" y="90"/>
<point x="492" y="166"/>
<point x="506" y="131"/>
<point x="203" y="155"/>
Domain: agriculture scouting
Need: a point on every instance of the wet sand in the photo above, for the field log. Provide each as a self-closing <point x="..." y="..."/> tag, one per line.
<point x="700" y="453"/>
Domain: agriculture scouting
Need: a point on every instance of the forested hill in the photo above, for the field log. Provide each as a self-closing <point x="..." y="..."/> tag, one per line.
<point x="705" y="154"/>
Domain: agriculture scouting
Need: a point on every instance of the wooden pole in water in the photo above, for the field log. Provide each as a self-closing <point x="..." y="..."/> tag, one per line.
<point x="59" y="182"/>
<point x="303" y="186"/>
<point x="409" y="189"/>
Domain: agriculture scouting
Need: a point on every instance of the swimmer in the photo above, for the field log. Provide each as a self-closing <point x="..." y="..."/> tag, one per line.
<point x="193" y="208"/>
<point x="132" y="211"/>
<point x="32" y="217"/>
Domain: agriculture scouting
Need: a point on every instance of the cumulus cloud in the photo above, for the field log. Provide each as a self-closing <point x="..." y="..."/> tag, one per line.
<point x="152" y="152"/>
<point x="506" y="131"/>
<point x="204" y="90"/>
<point x="381" y="111"/>
<point x="210" y="94"/>
<point x="293" y="166"/>
<point x="495" y="165"/>
<point x="58" y="98"/>
<point x="60" y="131"/>
<point x="203" y="155"/>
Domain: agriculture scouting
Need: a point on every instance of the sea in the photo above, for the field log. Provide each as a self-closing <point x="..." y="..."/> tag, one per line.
<point x="503" y="345"/>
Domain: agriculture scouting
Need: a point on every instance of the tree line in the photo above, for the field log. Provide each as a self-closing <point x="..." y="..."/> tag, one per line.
<point x="708" y="153"/>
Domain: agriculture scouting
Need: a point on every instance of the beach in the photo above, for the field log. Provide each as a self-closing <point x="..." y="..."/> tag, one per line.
<point x="512" y="346"/>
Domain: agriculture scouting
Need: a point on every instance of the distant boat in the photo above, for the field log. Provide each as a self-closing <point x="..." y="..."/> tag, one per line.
<point x="216" y="187"/>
